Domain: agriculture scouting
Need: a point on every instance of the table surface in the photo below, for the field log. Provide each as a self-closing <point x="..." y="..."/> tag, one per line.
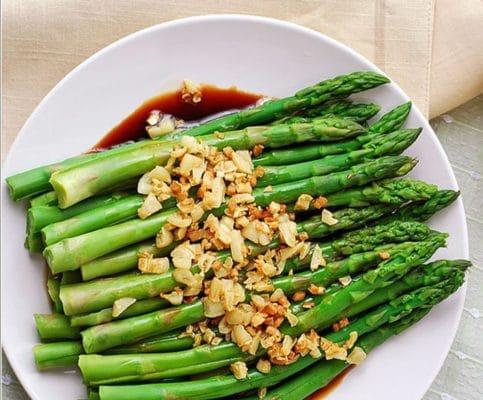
<point x="461" y="377"/>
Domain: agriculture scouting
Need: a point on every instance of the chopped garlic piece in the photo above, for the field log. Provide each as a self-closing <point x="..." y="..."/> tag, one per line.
<point x="239" y="369"/>
<point x="237" y="246"/>
<point x="288" y="233"/>
<point x="345" y="280"/>
<point x="264" y="366"/>
<point x="356" y="356"/>
<point x="175" y="297"/>
<point x="120" y="305"/>
<point x="317" y="259"/>
<point x="149" y="265"/>
<point x="165" y="125"/>
<point x="150" y="206"/>
<point x="243" y="161"/>
<point x="164" y="238"/>
<point x="161" y="174"/>
<point x="327" y="218"/>
<point x="303" y="202"/>
<point x="191" y="92"/>
<point x="144" y="184"/>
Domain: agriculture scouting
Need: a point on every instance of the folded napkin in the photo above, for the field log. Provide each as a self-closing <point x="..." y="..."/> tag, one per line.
<point x="432" y="49"/>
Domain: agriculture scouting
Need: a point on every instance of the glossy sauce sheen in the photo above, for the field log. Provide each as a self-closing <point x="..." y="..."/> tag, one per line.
<point x="325" y="391"/>
<point x="214" y="100"/>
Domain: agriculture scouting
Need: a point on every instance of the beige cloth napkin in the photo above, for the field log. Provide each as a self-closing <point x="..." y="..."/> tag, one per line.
<point x="431" y="48"/>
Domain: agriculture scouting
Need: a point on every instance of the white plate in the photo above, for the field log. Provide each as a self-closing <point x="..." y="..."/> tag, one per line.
<point x="257" y="54"/>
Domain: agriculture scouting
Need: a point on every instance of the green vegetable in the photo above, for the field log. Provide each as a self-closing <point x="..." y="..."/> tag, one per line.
<point x="57" y="354"/>
<point x="98" y="294"/>
<point x="388" y="144"/>
<point x="55" y="327"/>
<point x="114" y="369"/>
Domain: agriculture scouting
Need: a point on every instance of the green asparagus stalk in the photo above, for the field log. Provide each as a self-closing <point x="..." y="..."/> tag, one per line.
<point x="422" y="211"/>
<point x="323" y="372"/>
<point x="45" y="199"/>
<point x="386" y="273"/>
<point x="41" y="216"/>
<point x="106" y="336"/>
<point x="131" y="330"/>
<point x="115" y="369"/>
<point x="71" y="253"/>
<point x="127" y="208"/>
<point x="337" y="269"/>
<point x="388" y="144"/>
<point x="34" y="181"/>
<point x="425" y="275"/>
<point x="53" y="288"/>
<point x="122" y="260"/>
<point x="342" y="108"/>
<point x="55" y="327"/>
<point x="93" y="219"/>
<point x="165" y="343"/>
<point x="391" y="121"/>
<point x="98" y="294"/>
<point x="89" y="178"/>
<point x="66" y="354"/>
<point x="105" y="315"/>
<point x="360" y="241"/>
<point x="33" y="242"/>
<point x="366" y="238"/>
<point x="343" y="85"/>
<point x="57" y="354"/>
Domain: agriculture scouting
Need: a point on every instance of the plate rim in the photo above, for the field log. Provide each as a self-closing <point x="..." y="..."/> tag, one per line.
<point x="213" y="18"/>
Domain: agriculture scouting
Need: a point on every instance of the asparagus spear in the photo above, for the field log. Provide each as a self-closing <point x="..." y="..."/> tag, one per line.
<point x="388" y="271"/>
<point x="126" y="259"/>
<point x="57" y="354"/>
<point x="98" y="294"/>
<point x="33" y="242"/>
<point x="44" y="199"/>
<point x="323" y="372"/>
<point x="425" y="275"/>
<point x="342" y="108"/>
<point x="343" y="85"/>
<point x="66" y="354"/>
<point x="55" y="327"/>
<point x="360" y="241"/>
<point x="393" y="192"/>
<point x="53" y="288"/>
<point x="391" y="121"/>
<point x="121" y="260"/>
<point x="41" y="216"/>
<point x="105" y="315"/>
<point x="388" y="144"/>
<point x="34" y="181"/>
<point x="71" y="253"/>
<point x="89" y="221"/>
<point x="101" y="370"/>
<point x="93" y="219"/>
<point x="422" y="211"/>
<point x="131" y="330"/>
<point x="89" y="178"/>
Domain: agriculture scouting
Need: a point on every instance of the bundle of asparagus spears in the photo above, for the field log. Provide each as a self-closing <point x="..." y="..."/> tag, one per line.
<point x="260" y="253"/>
